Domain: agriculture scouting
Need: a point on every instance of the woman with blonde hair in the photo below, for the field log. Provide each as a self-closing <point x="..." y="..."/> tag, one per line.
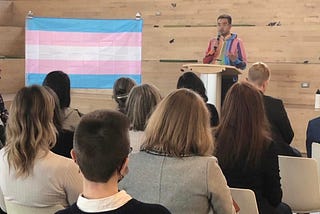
<point x="30" y="174"/>
<point x="141" y="102"/>
<point x="175" y="167"/>
<point x="245" y="149"/>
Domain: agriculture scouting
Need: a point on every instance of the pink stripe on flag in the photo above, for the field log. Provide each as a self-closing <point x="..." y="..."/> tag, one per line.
<point x="84" y="67"/>
<point x="82" y="39"/>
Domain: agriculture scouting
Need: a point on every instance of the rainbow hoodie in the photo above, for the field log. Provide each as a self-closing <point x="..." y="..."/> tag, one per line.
<point x="223" y="46"/>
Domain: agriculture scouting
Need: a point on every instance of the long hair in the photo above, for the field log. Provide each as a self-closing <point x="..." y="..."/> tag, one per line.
<point x="30" y="128"/>
<point x="140" y="104"/>
<point x="180" y="126"/>
<point x="59" y="82"/>
<point x="121" y="90"/>
<point x="191" y="81"/>
<point x="244" y="131"/>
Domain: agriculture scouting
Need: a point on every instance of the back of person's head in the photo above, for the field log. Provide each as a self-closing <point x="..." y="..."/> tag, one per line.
<point x="225" y="16"/>
<point x="258" y="73"/>
<point x="121" y="90"/>
<point x="58" y="114"/>
<point x="30" y="128"/>
<point x="191" y="81"/>
<point x="243" y="131"/>
<point x="59" y="82"/>
<point x="141" y="102"/>
<point x="101" y="144"/>
<point x="180" y="126"/>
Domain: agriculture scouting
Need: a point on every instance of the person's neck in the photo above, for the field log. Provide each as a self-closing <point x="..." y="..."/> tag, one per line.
<point x="262" y="89"/>
<point x="94" y="190"/>
<point x="225" y="36"/>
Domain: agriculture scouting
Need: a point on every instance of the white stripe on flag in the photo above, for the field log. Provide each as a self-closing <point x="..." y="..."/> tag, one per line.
<point x="51" y="52"/>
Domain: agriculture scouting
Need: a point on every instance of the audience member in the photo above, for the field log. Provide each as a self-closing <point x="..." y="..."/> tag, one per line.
<point x="191" y="81"/>
<point x="64" y="142"/>
<point x="141" y="102"/>
<point x="30" y="174"/>
<point x="313" y="134"/>
<point x="282" y="133"/>
<point x="121" y="90"/>
<point x="3" y="119"/>
<point x="175" y="167"/>
<point x="101" y="149"/>
<point x="245" y="150"/>
<point x="59" y="82"/>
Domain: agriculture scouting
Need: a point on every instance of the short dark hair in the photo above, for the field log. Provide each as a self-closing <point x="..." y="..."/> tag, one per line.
<point x="225" y="16"/>
<point x="191" y="81"/>
<point x="59" y="82"/>
<point x="101" y="144"/>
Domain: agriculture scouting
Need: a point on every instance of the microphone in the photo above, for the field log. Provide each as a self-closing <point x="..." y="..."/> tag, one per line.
<point x="217" y="43"/>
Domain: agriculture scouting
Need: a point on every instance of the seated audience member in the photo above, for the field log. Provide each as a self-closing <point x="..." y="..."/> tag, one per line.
<point x="313" y="134"/>
<point x="3" y="120"/>
<point x="141" y="102"/>
<point x="192" y="81"/>
<point x="64" y="142"/>
<point x="59" y="82"/>
<point x="245" y="150"/>
<point x="101" y="150"/>
<point x="121" y="90"/>
<point x="282" y="133"/>
<point x="175" y="167"/>
<point x="30" y="174"/>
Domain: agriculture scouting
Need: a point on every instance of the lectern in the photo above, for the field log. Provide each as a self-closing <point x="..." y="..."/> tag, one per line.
<point x="211" y="76"/>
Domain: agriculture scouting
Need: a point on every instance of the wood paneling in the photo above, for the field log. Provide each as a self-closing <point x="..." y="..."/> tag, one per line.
<point x="12" y="41"/>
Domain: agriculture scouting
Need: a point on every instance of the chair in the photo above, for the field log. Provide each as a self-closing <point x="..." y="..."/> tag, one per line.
<point x="246" y="200"/>
<point x="315" y="153"/>
<point x="300" y="183"/>
<point x="14" y="208"/>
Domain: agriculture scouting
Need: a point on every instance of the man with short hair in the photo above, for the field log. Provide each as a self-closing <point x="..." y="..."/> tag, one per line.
<point x="101" y="148"/>
<point x="282" y="133"/>
<point x="226" y="49"/>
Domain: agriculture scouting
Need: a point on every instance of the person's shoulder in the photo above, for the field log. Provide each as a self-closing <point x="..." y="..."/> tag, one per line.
<point x="314" y="121"/>
<point x="135" y="206"/>
<point x="70" y="210"/>
<point x="272" y="100"/>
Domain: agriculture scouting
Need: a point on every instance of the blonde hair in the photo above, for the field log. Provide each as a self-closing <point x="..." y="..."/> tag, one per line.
<point x="30" y="128"/>
<point x="258" y="73"/>
<point x="180" y="126"/>
<point x="140" y="104"/>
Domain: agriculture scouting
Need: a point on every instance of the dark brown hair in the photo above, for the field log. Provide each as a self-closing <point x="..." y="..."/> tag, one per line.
<point x="243" y="132"/>
<point x="225" y="16"/>
<point x="101" y="144"/>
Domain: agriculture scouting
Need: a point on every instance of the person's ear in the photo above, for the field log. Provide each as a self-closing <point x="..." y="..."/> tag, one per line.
<point x="73" y="155"/>
<point x="124" y="168"/>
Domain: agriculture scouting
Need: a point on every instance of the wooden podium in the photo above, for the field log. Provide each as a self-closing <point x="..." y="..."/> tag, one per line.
<point x="211" y="76"/>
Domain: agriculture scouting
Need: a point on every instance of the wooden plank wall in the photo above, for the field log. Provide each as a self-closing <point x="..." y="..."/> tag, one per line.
<point x="291" y="48"/>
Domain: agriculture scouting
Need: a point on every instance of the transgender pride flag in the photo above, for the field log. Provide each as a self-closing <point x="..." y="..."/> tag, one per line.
<point x="93" y="52"/>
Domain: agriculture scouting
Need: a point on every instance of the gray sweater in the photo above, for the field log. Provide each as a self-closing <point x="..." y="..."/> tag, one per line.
<point x="184" y="185"/>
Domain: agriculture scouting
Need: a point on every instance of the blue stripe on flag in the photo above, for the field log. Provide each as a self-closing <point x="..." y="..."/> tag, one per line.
<point x="85" y="81"/>
<point x="84" y="25"/>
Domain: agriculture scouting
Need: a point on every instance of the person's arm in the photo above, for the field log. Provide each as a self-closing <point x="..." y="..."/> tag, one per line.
<point x="73" y="182"/>
<point x="238" y="58"/>
<point x="309" y="140"/>
<point x="2" y="203"/>
<point x="284" y="124"/>
<point x="208" y="58"/>
<point x="218" y="190"/>
<point x="271" y="183"/>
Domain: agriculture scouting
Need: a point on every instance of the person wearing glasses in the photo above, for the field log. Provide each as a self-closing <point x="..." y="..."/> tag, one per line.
<point x="101" y="148"/>
<point x="226" y="49"/>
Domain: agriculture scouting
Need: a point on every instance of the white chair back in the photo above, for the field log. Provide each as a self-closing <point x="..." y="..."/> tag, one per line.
<point x="300" y="183"/>
<point x="14" y="208"/>
<point x="315" y="153"/>
<point x="246" y="200"/>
